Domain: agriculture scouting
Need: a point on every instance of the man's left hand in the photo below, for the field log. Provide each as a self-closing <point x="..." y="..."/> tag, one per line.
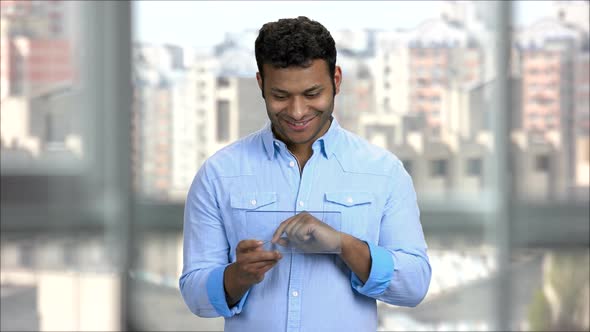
<point x="307" y="233"/>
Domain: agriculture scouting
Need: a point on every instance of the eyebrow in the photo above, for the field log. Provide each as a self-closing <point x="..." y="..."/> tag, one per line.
<point x="279" y="90"/>
<point x="312" y="89"/>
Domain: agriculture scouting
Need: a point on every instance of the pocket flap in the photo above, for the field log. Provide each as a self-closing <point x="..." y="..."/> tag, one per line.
<point x="349" y="198"/>
<point x="252" y="200"/>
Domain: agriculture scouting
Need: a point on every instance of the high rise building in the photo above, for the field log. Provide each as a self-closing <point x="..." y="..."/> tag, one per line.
<point x="554" y="71"/>
<point x="36" y="50"/>
<point x="37" y="72"/>
<point x="416" y="68"/>
<point x="184" y="115"/>
<point x="356" y="98"/>
<point x="152" y="128"/>
<point x="547" y="75"/>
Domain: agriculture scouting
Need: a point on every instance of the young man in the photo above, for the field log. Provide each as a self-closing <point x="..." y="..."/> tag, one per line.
<point x="302" y="161"/>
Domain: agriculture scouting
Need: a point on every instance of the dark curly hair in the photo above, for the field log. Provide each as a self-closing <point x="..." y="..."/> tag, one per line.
<point x="294" y="42"/>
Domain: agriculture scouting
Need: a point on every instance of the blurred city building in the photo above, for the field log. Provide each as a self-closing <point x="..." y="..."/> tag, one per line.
<point x="415" y="91"/>
<point x="37" y="73"/>
<point x="425" y="93"/>
<point x="553" y="69"/>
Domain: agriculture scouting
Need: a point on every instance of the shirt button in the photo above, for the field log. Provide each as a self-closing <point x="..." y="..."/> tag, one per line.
<point x="295" y="293"/>
<point x="253" y="202"/>
<point x="349" y="200"/>
<point x="292" y="164"/>
<point x="301" y="203"/>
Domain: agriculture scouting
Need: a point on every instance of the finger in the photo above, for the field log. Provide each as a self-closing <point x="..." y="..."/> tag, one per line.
<point x="265" y="269"/>
<point x="259" y="256"/>
<point x="302" y="230"/>
<point x="289" y="228"/>
<point x="261" y="265"/>
<point x="309" y="225"/>
<point x="294" y="224"/>
<point x="298" y="231"/>
<point x="281" y="228"/>
<point x="283" y="241"/>
<point x="247" y="245"/>
<point x="307" y="218"/>
<point x="256" y="267"/>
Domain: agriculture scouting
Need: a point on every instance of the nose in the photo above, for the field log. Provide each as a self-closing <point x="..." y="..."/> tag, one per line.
<point x="297" y="108"/>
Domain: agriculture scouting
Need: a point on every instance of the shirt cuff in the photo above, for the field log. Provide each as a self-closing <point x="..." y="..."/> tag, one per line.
<point x="216" y="294"/>
<point x="380" y="274"/>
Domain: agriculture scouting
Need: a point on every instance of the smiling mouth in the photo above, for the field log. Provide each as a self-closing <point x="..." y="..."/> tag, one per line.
<point x="299" y="125"/>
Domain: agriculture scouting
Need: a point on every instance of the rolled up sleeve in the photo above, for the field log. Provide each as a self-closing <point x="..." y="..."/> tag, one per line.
<point x="380" y="274"/>
<point x="400" y="270"/>
<point x="216" y="294"/>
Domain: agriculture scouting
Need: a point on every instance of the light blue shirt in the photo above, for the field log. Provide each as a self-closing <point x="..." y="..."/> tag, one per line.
<point x="304" y="292"/>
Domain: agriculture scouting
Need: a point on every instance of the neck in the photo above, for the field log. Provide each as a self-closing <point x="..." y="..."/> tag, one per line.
<point x="302" y="152"/>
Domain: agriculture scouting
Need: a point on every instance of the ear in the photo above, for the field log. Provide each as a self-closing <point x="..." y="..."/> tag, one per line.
<point x="259" y="80"/>
<point x="260" y="84"/>
<point x="337" y="79"/>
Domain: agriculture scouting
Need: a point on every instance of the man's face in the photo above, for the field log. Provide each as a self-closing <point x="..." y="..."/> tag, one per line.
<point x="299" y="101"/>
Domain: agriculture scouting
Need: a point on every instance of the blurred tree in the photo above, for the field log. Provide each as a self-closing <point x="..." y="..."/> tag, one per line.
<point x="563" y="304"/>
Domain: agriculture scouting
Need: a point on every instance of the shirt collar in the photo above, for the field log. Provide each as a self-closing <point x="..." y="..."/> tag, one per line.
<point x="328" y="142"/>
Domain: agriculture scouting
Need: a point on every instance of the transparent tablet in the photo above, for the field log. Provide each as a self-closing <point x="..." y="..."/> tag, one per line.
<point x="311" y="239"/>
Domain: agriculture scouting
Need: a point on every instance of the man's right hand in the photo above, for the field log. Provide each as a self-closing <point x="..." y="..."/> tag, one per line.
<point x="252" y="263"/>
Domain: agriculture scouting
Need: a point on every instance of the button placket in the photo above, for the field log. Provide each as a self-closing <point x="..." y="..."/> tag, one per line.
<point x="294" y="302"/>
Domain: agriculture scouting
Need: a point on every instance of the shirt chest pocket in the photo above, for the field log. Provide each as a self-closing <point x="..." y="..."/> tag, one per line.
<point x="244" y="206"/>
<point x="354" y="208"/>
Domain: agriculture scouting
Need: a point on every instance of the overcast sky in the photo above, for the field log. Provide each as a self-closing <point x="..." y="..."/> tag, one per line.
<point x="202" y="24"/>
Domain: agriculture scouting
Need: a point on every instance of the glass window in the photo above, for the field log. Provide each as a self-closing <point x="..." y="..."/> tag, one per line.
<point x="408" y="166"/>
<point x="474" y="167"/>
<point x="222" y="82"/>
<point x="542" y="163"/>
<point x="438" y="168"/>
<point x="223" y="120"/>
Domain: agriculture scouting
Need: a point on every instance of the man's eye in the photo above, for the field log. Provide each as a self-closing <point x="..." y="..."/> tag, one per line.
<point x="312" y="95"/>
<point x="280" y="97"/>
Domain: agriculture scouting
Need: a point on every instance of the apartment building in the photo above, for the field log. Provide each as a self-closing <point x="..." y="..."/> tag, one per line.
<point x="356" y="92"/>
<point x="553" y="55"/>
<point x="152" y="131"/>
<point x="36" y="47"/>
<point x="540" y="174"/>
<point x="184" y="115"/>
<point x="37" y="74"/>
<point x="417" y="68"/>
